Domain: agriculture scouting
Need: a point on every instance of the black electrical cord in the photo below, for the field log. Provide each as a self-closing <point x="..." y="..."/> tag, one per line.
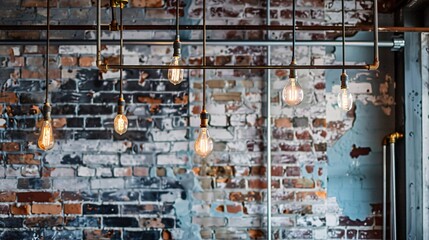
<point x="177" y="17"/>
<point x="204" y="54"/>
<point x="344" y="36"/>
<point x="293" y="30"/>
<point x="48" y="13"/>
<point x="120" y="50"/>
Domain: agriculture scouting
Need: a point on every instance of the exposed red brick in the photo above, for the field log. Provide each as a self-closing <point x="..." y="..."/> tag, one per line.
<point x="220" y="208"/>
<point x="38" y="3"/>
<point x="277" y="171"/>
<point x="298" y="183"/>
<point x="234" y="208"/>
<point x="303" y="135"/>
<point x="37" y="196"/>
<point x="141" y="171"/>
<point x="166" y="235"/>
<point x="257" y="171"/>
<point x="75" y="208"/>
<point x="309" y="168"/>
<point x="4" y="209"/>
<point x="147" y="3"/>
<point x="8" y="97"/>
<point x="256" y="234"/>
<point x="245" y="197"/>
<point x="44" y="222"/>
<point x="310" y="196"/>
<point x="7" y="196"/>
<point x="257" y="183"/>
<point x="9" y="147"/>
<point x="293" y="171"/>
<point x="67" y="61"/>
<point x="123" y="172"/>
<point x="22" y="159"/>
<point x="86" y="61"/>
<point x="20" y="209"/>
<point x="226" y="97"/>
<point x="283" y="123"/>
<point x="75" y="3"/>
<point x="46" y="209"/>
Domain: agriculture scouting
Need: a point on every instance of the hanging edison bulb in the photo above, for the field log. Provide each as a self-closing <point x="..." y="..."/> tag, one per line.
<point x="292" y="93"/>
<point x="204" y="143"/>
<point x="344" y="98"/>
<point x="120" y="124"/>
<point x="46" y="137"/>
<point x="175" y="75"/>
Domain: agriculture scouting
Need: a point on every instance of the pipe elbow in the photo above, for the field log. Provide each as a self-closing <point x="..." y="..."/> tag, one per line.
<point x="374" y="66"/>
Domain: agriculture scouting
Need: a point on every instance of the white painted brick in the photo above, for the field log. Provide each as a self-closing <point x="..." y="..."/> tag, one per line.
<point x="109" y="146"/>
<point x="8" y="184"/>
<point x="77" y="49"/>
<point x="240" y="158"/>
<point x="179" y="146"/>
<point x="244" y="222"/>
<point x="97" y="159"/>
<point x="215" y="108"/>
<point x="13" y="171"/>
<point x="107" y="183"/>
<point x="320" y="233"/>
<point x="173" y="135"/>
<point x="221" y="134"/>
<point x="155" y="147"/>
<point x="104" y="172"/>
<point x="174" y="159"/>
<point x="62" y="172"/>
<point x="218" y="120"/>
<point x="30" y="171"/>
<point x="282" y="221"/>
<point x="70" y="184"/>
<point x="53" y="158"/>
<point x="135" y="160"/>
<point x="331" y="220"/>
<point x="85" y="172"/>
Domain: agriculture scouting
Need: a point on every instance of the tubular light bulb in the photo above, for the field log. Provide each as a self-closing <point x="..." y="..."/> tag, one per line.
<point x="46" y="138"/>
<point x="345" y="99"/>
<point x="175" y="75"/>
<point x="204" y="143"/>
<point x="292" y="93"/>
<point x="120" y="124"/>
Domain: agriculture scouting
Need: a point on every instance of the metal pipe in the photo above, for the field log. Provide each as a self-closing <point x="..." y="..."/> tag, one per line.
<point x="98" y="61"/>
<point x="268" y="78"/>
<point x="376" y="63"/>
<point x="388" y="44"/>
<point x="237" y="67"/>
<point x="220" y="27"/>
<point x="392" y="192"/>
<point x="384" y="189"/>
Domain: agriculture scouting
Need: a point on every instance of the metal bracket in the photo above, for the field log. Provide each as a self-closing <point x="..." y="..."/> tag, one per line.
<point x="398" y="44"/>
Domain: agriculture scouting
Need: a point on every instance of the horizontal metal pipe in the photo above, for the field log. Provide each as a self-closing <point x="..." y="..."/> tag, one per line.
<point x="219" y="27"/>
<point x="198" y="42"/>
<point x="236" y="67"/>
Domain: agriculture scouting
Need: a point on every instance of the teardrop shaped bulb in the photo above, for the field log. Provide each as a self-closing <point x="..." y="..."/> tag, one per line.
<point x="204" y="143"/>
<point x="292" y="93"/>
<point x="345" y="99"/>
<point x="175" y="75"/>
<point x="120" y="124"/>
<point x="46" y="137"/>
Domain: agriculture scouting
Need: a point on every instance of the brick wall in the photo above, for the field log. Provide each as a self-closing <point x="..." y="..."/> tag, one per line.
<point x="148" y="183"/>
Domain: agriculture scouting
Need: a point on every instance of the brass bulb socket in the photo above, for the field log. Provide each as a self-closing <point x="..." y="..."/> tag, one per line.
<point x="204" y="116"/>
<point x="177" y="47"/>
<point x="114" y="26"/>
<point x="344" y="78"/>
<point x="121" y="105"/>
<point x="292" y="72"/>
<point x="47" y="111"/>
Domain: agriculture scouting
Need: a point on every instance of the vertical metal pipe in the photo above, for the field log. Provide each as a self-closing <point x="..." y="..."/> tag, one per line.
<point x="393" y="192"/>
<point x="98" y="33"/>
<point x="268" y="77"/>
<point x="384" y="190"/>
